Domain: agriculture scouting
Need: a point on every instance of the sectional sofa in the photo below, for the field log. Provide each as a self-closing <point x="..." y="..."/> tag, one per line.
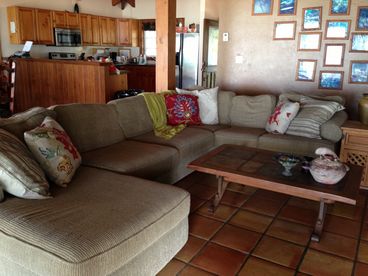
<point x="115" y="217"/>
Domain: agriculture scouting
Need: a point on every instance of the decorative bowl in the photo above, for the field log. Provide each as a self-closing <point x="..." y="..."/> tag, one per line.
<point x="288" y="161"/>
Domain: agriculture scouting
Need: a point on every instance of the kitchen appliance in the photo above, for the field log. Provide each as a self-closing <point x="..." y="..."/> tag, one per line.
<point x="65" y="56"/>
<point x="187" y="59"/>
<point x="68" y="37"/>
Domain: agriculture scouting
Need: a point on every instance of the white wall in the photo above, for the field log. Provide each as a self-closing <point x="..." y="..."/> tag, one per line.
<point x="145" y="9"/>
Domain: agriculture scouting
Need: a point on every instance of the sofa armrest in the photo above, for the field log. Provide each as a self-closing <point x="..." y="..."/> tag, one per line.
<point x="331" y="130"/>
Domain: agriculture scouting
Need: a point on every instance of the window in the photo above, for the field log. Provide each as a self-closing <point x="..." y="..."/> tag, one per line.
<point x="150" y="43"/>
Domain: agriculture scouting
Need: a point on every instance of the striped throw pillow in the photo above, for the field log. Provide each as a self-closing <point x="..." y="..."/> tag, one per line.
<point x="313" y="113"/>
<point x="20" y="174"/>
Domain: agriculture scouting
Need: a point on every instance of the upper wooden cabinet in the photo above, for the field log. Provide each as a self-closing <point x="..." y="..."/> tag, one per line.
<point x="124" y="30"/>
<point x="108" y="30"/>
<point x="64" y="19"/>
<point x="90" y="29"/>
<point x="45" y="34"/>
<point x="21" y="24"/>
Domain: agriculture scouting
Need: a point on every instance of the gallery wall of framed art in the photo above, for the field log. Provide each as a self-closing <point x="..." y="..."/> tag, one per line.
<point x="307" y="46"/>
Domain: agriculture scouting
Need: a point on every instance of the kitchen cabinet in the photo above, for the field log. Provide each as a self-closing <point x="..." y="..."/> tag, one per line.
<point x="59" y="19"/>
<point x="90" y="28"/>
<point x="141" y="77"/>
<point x="45" y="33"/>
<point x="136" y="33"/>
<point x="95" y="30"/>
<point x="72" y="20"/>
<point x="107" y="30"/>
<point x="124" y="32"/>
<point x="21" y="24"/>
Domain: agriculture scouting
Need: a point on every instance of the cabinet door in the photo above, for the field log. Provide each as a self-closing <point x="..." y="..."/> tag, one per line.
<point x="27" y="26"/>
<point x="86" y="29"/>
<point x="45" y="34"/>
<point x="72" y="20"/>
<point x="95" y="30"/>
<point x="59" y="19"/>
<point x="112" y="31"/>
<point x="104" y="30"/>
<point x="135" y="36"/>
<point x="124" y="32"/>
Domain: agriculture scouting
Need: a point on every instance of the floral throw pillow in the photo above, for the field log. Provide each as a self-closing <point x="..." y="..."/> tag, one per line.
<point x="282" y="116"/>
<point x="182" y="109"/>
<point x="53" y="149"/>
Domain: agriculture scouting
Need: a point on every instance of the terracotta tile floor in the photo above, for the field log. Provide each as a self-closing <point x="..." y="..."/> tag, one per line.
<point x="255" y="232"/>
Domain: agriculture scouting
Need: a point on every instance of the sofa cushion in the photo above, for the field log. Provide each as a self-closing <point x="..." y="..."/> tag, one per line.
<point x="133" y="116"/>
<point x="24" y="121"/>
<point x="90" y="126"/>
<point x="133" y="158"/>
<point x="225" y="102"/>
<point x="331" y="130"/>
<point x="93" y="227"/>
<point x="296" y="97"/>
<point x="54" y="151"/>
<point x="20" y="174"/>
<point x="292" y="144"/>
<point x="238" y="136"/>
<point x="252" y="111"/>
<point x="212" y="128"/>
<point x="191" y="142"/>
<point x="313" y="113"/>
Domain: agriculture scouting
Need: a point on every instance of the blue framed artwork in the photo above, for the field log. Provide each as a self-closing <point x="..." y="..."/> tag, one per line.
<point x="306" y="70"/>
<point x="359" y="71"/>
<point x="339" y="7"/>
<point x="331" y="80"/>
<point x="262" y="7"/>
<point x="362" y="20"/>
<point x="312" y="18"/>
<point x="287" y="7"/>
<point x="359" y="42"/>
<point x="337" y="29"/>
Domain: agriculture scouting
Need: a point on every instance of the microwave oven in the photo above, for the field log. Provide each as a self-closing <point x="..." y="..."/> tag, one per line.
<point x="68" y="37"/>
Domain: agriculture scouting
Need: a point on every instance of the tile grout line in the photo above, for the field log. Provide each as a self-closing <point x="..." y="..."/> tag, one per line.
<point x="262" y="236"/>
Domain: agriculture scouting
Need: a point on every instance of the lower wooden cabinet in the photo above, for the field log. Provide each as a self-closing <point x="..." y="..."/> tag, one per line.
<point x="141" y="77"/>
<point x="354" y="147"/>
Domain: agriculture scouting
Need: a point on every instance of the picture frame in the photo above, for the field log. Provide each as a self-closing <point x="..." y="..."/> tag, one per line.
<point x="287" y="7"/>
<point x="284" y="30"/>
<point x="334" y="55"/>
<point x="332" y="80"/>
<point x="359" y="42"/>
<point x="337" y="29"/>
<point x="358" y="72"/>
<point x="312" y="18"/>
<point x="306" y="70"/>
<point x="339" y="7"/>
<point x="362" y="19"/>
<point x="262" y="7"/>
<point x="310" y="41"/>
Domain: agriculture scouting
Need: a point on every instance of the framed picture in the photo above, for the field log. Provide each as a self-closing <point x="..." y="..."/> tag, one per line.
<point x="337" y="29"/>
<point x="310" y="41"/>
<point x="362" y="19"/>
<point x="287" y="7"/>
<point x="306" y="70"/>
<point x="312" y="18"/>
<point x="358" y="71"/>
<point x="334" y="55"/>
<point x="262" y="7"/>
<point x="359" y="42"/>
<point x="340" y="7"/>
<point x="284" y="30"/>
<point x="331" y="80"/>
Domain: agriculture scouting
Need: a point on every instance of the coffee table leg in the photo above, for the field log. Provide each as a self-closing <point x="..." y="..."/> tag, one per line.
<point x="320" y="221"/>
<point x="221" y="187"/>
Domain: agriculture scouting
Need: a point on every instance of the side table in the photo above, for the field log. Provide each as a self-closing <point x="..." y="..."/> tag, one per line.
<point x="354" y="147"/>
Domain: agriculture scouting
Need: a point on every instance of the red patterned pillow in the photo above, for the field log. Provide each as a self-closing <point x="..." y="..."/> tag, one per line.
<point x="182" y="109"/>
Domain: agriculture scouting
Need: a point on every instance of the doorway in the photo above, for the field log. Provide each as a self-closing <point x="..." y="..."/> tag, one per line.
<point x="210" y="53"/>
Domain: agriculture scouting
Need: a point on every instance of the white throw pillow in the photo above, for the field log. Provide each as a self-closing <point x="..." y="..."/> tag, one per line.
<point x="282" y="116"/>
<point x="208" y="104"/>
<point x="54" y="150"/>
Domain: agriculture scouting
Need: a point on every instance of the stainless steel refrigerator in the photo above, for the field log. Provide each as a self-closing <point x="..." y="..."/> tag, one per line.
<point x="187" y="59"/>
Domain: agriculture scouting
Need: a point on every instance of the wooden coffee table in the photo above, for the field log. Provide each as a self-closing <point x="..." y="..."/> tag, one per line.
<point x="257" y="168"/>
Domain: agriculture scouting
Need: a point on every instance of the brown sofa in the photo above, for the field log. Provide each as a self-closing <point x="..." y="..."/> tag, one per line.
<point x="113" y="219"/>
